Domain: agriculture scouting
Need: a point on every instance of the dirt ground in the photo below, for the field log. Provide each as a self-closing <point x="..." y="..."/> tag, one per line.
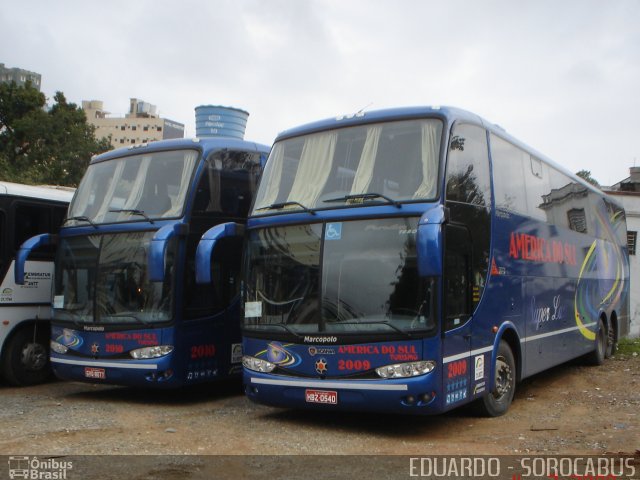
<point x="571" y="409"/>
<point x="214" y="432"/>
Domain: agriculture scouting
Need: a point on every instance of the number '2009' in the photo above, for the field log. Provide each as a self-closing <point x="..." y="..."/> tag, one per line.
<point x="354" y="364"/>
<point x="456" y="369"/>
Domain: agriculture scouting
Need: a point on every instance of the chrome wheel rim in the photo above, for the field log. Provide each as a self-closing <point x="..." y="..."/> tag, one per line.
<point x="504" y="379"/>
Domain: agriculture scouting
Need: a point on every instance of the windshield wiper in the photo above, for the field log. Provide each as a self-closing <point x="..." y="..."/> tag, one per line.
<point x="281" y="205"/>
<point x="81" y="218"/>
<point x="132" y="211"/>
<point x="365" y="196"/>
<point x="282" y="325"/>
<point x="376" y="322"/>
<point x="130" y="315"/>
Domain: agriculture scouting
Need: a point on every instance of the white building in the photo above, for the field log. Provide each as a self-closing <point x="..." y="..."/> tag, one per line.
<point x="627" y="192"/>
<point x="140" y="125"/>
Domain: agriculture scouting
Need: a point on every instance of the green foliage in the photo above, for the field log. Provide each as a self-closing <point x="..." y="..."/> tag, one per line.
<point x="44" y="147"/>
<point x="586" y="175"/>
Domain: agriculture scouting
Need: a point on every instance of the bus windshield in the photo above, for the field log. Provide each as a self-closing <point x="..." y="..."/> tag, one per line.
<point x="379" y="162"/>
<point x="147" y="186"/>
<point x="103" y="279"/>
<point x="340" y="277"/>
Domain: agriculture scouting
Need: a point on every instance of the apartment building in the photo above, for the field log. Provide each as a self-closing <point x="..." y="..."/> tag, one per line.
<point x="20" y="76"/>
<point x="140" y="125"/>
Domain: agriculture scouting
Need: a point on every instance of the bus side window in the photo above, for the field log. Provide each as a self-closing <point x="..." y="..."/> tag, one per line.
<point x="468" y="166"/>
<point x="31" y="220"/>
<point x="457" y="277"/>
<point x="3" y="236"/>
<point x="59" y="214"/>
<point x="468" y="198"/>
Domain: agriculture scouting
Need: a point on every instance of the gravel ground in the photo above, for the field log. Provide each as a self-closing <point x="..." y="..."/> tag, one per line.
<point x="571" y="409"/>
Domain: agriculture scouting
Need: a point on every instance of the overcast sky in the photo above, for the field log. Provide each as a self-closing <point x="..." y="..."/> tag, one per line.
<point x="563" y="76"/>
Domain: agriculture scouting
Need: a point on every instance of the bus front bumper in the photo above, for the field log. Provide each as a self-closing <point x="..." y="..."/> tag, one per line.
<point x="414" y="396"/>
<point x="147" y="373"/>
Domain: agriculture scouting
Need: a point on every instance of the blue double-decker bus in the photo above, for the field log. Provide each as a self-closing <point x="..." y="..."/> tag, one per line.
<point x="414" y="260"/>
<point x="127" y="306"/>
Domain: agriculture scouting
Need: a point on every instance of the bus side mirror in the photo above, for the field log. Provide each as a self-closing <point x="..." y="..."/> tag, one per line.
<point x="429" y="242"/>
<point x="158" y="247"/>
<point x="38" y="241"/>
<point x="208" y="243"/>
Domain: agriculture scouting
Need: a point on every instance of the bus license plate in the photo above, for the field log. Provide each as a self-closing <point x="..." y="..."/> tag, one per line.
<point x="91" y="372"/>
<point x="321" y="396"/>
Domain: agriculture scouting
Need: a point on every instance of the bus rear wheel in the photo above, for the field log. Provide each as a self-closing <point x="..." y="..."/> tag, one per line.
<point x="599" y="353"/>
<point x="612" y="343"/>
<point x="26" y="358"/>
<point x="498" y="400"/>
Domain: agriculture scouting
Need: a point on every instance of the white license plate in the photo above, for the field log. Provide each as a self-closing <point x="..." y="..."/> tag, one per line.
<point x="321" y="396"/>
<point x="92" y="372"/>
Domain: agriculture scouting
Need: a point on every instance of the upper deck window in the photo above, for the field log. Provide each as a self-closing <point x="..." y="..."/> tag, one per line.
<point x="138" y="187"/>
<point x="394" y="160"/>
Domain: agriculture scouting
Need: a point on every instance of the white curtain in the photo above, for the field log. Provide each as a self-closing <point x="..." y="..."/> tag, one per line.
<point x="81" y="202"/>
<point x="364" y="173"/>
<point x="430" y="144"/>
<point x="314" y="168"/>
<point x="187" y="170"/>
<point x="138" y="185"/>
<point x="273" y="177"/>
<point x="106" y="203"/>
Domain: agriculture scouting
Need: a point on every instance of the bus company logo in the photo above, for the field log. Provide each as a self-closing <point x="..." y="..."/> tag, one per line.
<point x="278" y="354"/>
<point x="543" y="314"/>
<point x="36" y="469"/>
<point x="313" y="351"/>
<point x="321" y="366"/>
<point x="313" y="339"/>
<point x="95" y="349"/>
<point x="36" y="275"/>
<point x="69" y="339"/>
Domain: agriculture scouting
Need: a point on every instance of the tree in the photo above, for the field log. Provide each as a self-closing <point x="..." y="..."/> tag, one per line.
<point x="44" y="147"/>
<point x="586" y="175"/>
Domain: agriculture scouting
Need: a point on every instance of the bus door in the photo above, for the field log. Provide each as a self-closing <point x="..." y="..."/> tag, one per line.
<point x="457" y="305"/>
<point x="211" y="332"/>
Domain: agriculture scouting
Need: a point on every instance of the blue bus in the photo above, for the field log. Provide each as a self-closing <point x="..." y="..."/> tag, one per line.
<point x="127" y="306"/>
<point x="413" y="260"/>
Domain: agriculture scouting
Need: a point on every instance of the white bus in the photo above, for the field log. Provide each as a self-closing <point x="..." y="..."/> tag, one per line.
<point x="25" y="310"/>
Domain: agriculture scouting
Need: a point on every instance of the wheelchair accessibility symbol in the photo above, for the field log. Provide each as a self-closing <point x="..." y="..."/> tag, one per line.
<point x="333" y="231"/>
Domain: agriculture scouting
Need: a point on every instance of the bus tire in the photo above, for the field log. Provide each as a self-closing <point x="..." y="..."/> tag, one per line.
<point x="497" y="401"/>
<point x="597" y="356"/>
<point x="612" y="340"/>
<point x="26" y="360"/>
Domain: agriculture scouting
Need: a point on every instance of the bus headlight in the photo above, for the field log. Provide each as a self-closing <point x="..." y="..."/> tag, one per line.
<point x="257" y="364"/>
<point x="58" y="347"/>
<point x="151" y="352"/>
<point x="403" y="370"/>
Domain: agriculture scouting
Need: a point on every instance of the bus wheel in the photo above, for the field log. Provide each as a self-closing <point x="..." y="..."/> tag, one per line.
<point x="26" y="360"/>
<point x="597" y="356"/>
<point x="612" y="344"/>
<point x="496" y="402"/>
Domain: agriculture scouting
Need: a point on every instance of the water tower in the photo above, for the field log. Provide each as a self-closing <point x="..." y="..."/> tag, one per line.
<point x="218" y="121"/>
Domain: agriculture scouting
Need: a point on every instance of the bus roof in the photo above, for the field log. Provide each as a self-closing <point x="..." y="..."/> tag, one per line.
<point x="45" y="192"/>
<point x="446" y="113"/>
<point x="203" y="144"/>
<point x="390" y="114"/>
